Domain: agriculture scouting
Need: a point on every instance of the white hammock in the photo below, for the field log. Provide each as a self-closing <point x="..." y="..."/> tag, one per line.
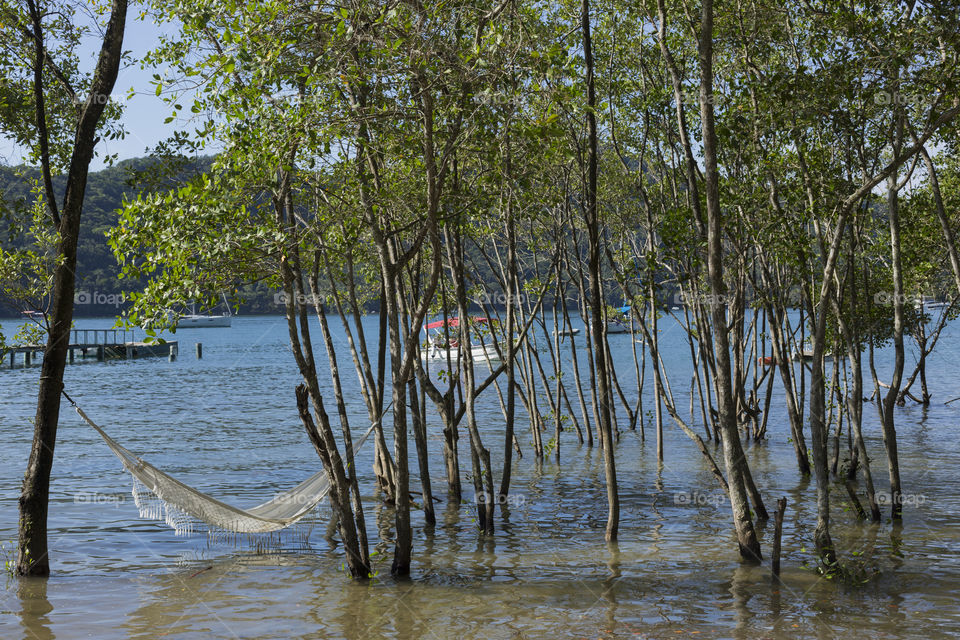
<point x="159" y="496"/>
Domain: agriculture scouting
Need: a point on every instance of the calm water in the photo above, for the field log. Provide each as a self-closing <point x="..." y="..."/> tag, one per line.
<point x="227" y="424"/>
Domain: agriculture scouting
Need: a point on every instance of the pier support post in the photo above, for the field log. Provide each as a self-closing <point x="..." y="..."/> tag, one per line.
<point x="199" y="351"/>
<point x="13" y="359"/>
<point x="26" y="359"/>
<point x="70" y="351"/>
<point x="99" y="353"/>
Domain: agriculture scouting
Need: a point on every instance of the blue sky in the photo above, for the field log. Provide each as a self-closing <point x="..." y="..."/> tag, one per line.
<point x="144" y="112"/>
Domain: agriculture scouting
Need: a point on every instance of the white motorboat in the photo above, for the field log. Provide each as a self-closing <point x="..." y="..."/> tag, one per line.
<point x="806" y="355"/>
<point x="442" y="346"/>
<point x="929" y="303"/>
<point x="479" y="353"/>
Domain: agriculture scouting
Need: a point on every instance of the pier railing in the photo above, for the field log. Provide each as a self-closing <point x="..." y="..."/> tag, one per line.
<point x="101" y="336"/>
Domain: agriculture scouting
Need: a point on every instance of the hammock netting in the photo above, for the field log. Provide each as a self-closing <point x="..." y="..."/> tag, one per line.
<point x="159" y="496"/>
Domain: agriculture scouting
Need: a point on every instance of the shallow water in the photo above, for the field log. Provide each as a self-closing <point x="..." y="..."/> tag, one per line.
<point x="227" y="424"/>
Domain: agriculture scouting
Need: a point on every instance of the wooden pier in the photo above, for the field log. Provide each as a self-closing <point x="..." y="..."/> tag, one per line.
<point x="103" y="344"/>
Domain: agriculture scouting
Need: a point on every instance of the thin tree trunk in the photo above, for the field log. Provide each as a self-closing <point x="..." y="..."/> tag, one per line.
<point x="512" y="302"/>
<point x="890" y="400"/>
<point x="361" y="528"/>
<point x="734" y="458"/>
<point x="596" y="293"/>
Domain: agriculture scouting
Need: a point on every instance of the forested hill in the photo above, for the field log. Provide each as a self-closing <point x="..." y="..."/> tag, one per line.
<point x="106" y="190"/>
<point x="99" y="287"/>
<point x="97" y="270"/>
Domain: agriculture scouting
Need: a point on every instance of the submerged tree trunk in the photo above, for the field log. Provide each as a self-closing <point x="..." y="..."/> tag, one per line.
<point x="512" y="302"/>
<point x="890" y="400"/>
<point x="479" y="455"/>
<point x="733" y="455"/>
<point x="357" y="560"/>
<point x="403" y="547"/>
<point x="363" y="546"/>
<point x="596" y="292"/>
<point x="781" y="355"/>
<point x="308" y="393"/>
<point x="32" y="552"/>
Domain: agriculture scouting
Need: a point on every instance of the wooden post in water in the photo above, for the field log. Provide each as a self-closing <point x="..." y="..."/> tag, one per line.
<point x="13" y="358"/>
<point x="199" y="351"/>
<point x="70" y="351"/>
<point x="99" y="353"/>
<point x="26" y="358"/>
<point x="777" y="532"/>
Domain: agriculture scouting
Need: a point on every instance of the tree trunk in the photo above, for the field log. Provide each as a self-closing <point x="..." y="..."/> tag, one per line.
<point x="512" y="301"/>
<point x="890" y="400"/>
<point x="726" y="403"/>
<point x="403" y="547"/>
<point x="363" y="546"/>
<point x="596" y="293"/>
<point x="32" y="551"/>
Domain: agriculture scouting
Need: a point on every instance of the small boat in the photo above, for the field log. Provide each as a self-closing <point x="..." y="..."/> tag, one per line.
<point x="572" y="331"/>
<point x="479" y="353"/>
<point x="194" y="320"/>
<point x="929" y="303"/>
<point x="807" y="355"/>
<point x="445" y="347"/>
<point x="620" y="322"/>
<point x="617" y="327"/>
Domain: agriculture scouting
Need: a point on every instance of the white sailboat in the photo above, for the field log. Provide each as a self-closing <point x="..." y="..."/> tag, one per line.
<point x="194" y="320"/>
